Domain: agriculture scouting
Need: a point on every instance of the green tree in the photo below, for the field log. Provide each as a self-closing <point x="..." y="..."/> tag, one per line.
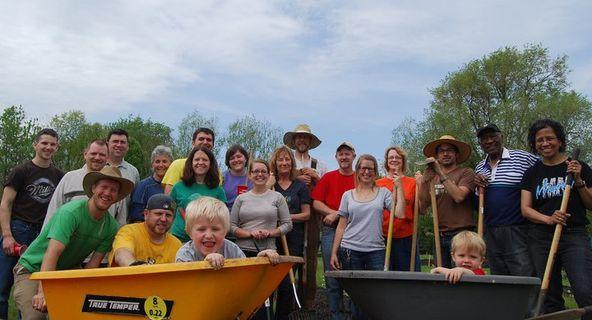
<point x="16" y="138"/>
<point x="145" y="135"/>
<point x="185" y="131"/>
<point x="509" y="87"/>
<point x="75" y="134"/>
<point x="258" y="137"/>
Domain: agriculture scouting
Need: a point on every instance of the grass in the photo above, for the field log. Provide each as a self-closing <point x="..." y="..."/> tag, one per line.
<point x="570" y="303"/>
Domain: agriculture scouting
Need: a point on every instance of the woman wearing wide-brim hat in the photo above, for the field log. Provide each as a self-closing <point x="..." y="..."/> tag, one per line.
<point x="453" y="186"/>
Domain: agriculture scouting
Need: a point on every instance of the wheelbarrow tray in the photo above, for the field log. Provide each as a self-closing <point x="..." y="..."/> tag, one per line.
<point x="190" y="290"/>
<point x="414" y="295"/>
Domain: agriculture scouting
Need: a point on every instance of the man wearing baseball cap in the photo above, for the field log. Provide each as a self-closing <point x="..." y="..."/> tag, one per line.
<point x="78" y="228"/>
<point x="499" y="174"/>
<point x="453" y="187"/>
<point x="148" y="242"/>
<point x="327" y="198"/>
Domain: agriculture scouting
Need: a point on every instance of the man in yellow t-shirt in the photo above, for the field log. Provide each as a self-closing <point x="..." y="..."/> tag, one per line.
<point x="148" y="242"/>
<point x="201" y="137"/>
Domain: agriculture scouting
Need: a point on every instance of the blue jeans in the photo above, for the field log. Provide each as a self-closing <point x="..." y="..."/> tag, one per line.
<point x="23" y="233"/>
<point x="358" y="260"/>
<point x="574" y="255"/>
<point x="507" y="250"/>
<point x="334" y="290"/>
<point x="401" y="255"/>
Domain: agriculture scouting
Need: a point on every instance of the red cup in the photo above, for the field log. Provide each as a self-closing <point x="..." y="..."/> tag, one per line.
<point x="241" y="189"/>
<point x="19" y="249"/>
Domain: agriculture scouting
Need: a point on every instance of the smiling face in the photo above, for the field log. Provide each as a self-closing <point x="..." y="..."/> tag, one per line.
<point x="204" y="139"/>
<point x="96" y="157"/>
<point x="394" y="161"/>
<point x="237" y="162"/>
<point x="491" y="143"/>
<point x="158" y="221"/>
<point x="547" y="144"/>
<point x="200" y="164"/>
<point x="345" y="158"/>
<point x="118" y="146"/>
<point x="208" y="237"/>
<point x="302" y="142"/>
<point x="283" y="163"/>
<point x="259" y="174"/>
<point x="446" y="154"/>
<point x="45" y="147"/>
<point x="105" y="193"/>
<point x="468" y="259"/>
<point x="366" y="172"/>
<point x="160" y="164"/>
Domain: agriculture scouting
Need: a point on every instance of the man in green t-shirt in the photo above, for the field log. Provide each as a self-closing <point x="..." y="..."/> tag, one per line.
<point x="77" y="229"/>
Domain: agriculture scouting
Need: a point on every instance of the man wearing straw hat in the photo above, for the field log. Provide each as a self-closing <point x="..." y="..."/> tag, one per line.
<point x="78" y="228"/>
<point x="453" y="186"/>
<point x="500" y="174"/>
<point x="310" y="170"/>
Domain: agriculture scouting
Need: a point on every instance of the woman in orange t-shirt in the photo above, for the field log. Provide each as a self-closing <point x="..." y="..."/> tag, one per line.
<point x="395" y="163"/>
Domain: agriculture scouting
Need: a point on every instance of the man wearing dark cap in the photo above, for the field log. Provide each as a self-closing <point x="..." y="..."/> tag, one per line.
<point x="499" y="174"/>
<point x="327" y="198"/>
<point x="78" y="228"/>
<point x="148" y="242"/>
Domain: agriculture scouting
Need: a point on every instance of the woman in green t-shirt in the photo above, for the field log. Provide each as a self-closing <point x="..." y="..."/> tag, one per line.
<point x="200" y="178"/>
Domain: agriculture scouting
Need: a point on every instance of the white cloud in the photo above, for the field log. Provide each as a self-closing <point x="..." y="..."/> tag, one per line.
<point x="288" y="59"/>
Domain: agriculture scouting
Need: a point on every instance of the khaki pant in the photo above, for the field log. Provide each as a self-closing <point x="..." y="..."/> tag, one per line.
<point x="24" y="290"/>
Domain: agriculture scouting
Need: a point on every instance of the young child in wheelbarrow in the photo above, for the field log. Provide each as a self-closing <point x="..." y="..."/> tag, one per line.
<point x="207" y="221"/>
<point x="468" y="254"/>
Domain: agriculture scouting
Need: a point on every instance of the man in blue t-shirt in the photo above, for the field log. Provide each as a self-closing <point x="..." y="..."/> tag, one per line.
<point x="499" y="174"/>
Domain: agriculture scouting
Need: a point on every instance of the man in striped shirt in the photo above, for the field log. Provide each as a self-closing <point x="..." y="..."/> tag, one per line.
<point x="505" y="232"/>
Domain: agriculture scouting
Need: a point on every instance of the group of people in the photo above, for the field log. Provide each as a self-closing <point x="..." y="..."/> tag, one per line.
<point x="188" y="210"/>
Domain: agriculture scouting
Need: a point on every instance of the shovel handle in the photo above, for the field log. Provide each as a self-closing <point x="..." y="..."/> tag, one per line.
<point x="415" y="228"/>
<point x="481" y="211"/>
<point x="287" y="252"/>
<point x="389" y="239"/>
<point x="436" y="225"/>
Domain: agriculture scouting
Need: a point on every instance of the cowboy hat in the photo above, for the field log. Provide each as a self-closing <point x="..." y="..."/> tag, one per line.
<point x="110" y="173"/>
<point x="464" y="149"/>
<point x="301" y="128"/>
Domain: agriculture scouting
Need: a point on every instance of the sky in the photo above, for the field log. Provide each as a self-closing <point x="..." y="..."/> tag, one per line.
<point x="352" y="70"/>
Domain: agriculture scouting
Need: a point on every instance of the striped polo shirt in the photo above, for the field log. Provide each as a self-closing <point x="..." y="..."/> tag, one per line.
<point x="502" y="195"/>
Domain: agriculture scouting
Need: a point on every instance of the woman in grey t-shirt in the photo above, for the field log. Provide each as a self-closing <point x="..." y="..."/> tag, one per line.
<point x="359" y="243"/>
<point x="261" y="215"/>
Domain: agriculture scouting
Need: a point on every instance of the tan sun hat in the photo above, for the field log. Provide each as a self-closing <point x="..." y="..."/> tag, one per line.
<point x="301" y="128"/>
<point x="111" y="173"/>
<point x="463" y="148"/>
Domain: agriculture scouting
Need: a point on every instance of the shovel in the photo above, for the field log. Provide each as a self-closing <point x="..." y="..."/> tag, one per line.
<point x="436" y="226"/>
<point x="389" y="239"/>
<point x="292" y="278"/>
<point x="415" y="227"/>
<point x="481" y="211"/>
<point x="555" y="241"/>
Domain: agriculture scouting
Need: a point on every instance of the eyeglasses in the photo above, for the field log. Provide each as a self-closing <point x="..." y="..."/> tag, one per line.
<point x="545" y="139"/>
<point x="451" y="150"/>
<point x="362" y="169"/>
<point x="258" y="172"/>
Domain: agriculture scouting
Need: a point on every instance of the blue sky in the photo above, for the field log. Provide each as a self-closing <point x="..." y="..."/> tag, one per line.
<point x="353" y="70"/>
